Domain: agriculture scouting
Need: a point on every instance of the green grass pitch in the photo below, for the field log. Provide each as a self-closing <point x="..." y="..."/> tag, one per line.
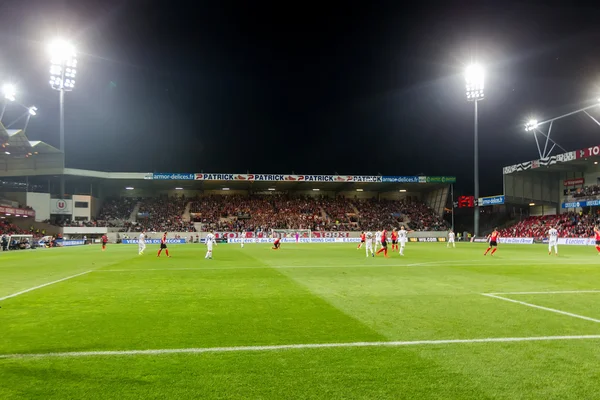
<point x="211" y="322"/>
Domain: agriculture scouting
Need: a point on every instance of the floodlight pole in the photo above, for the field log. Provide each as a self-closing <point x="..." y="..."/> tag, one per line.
<point x="476" y="173"/>
<point x="62" y="138"/>
<point x="3" y="110"/>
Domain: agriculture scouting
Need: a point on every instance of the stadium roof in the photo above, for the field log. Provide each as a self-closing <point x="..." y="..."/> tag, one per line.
<point x="15" y="143"/>
<point x="572" y="161"/>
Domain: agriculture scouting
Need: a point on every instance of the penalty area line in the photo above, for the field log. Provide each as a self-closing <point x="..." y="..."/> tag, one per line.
<point x="201" y="350"/>
<point x="43" y="285"/>
<point x="551" y="292"/>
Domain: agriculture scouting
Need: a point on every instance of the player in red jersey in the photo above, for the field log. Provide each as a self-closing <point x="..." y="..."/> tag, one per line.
<point x="104" y="241"/>
<point x="362" y="240"/>
<point x="163" y="246"/>
<point x="495" y="235"/>
<point x="383" y="243"/>
<point x="276" y="244"/>
<point x="394" y="239"/>
<point x="597" y="233"/>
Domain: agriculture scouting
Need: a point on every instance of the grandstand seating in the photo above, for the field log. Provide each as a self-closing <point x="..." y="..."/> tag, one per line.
<point x="8" y="228"/>
<point x="571" y="225"/>
<point x="255" y="213"/>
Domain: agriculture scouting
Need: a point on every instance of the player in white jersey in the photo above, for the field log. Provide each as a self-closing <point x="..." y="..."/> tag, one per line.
<point x="552" y="241"/>
<point x="376" y="240"/>
<point x="243" y="237"/>
<point x="403" y="238"/>
<point x="369" y="239"/>
<point x="142" y="243"/>
<point x="451" y="239"/>
<point x="210" y="241"/>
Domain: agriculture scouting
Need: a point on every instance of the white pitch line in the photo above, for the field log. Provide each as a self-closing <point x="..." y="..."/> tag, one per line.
<point x="41" y="286"/>
<point x="552" y="292"/>
<point x="201" y="350"/>
<point x="542" y="308"/>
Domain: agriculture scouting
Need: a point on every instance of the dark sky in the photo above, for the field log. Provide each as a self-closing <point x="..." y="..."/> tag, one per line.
<point x="324" y="87"/>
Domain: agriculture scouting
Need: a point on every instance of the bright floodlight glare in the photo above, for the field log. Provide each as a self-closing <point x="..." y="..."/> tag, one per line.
<point x="32" y="110"/>
<point x="63" y="68"/>
<point x="474" y="78"/>
<point x="531" y="125"/>
<point x="61" y="51"/>
<point x="9" y="91"/>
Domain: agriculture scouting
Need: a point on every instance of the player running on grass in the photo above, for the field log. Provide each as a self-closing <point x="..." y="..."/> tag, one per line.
<point x="552" y="241"/>
<point x="369" y="244"/>
<point x="362" y="240"/>
<point x="493" y="238"/>
<point x="163" y="246"/>
<point x="403" y="238"/>
<point x="383" y="239"/>
<point x="597" y="233"/>
<point x="104" y="242"/>
<point x="142" y="243"/>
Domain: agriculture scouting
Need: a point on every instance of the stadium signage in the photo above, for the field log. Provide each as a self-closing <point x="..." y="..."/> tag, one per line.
<point x="516" y="240"/>
<point x="490" y="201"/>
<point x="426" y="239"/>
<point x="578" y="204"/>
<point x="588" y="152"/>
<point x="441" y="179"/>
<point x="401" y="179"/>
<point x="173" y="177"/>
<point x="154" y="241"/>
<point x="17" y="211"/>
<point x="301" y="240"/>
<point x="577" y="241"/>
<point x="574" y="182"/>
<point x="286" y="178"/>
<point x="72" y="243"/>
<point x="542" y="162"/>
<point x="60" y="206"/>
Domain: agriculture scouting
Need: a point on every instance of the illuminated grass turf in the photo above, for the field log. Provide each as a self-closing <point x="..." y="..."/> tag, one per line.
<point x="301" y="294"/>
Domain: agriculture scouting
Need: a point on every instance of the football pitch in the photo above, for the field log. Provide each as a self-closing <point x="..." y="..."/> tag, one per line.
<point x="309" y="321"/>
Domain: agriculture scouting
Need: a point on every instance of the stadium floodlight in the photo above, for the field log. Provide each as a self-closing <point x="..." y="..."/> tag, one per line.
<point x="225" y="188"/>
<point x="8" y="91"/>
<point x="531" y="204"/>
<point x="31" y="111"/>
<point x="316" y="190"/>
<point x="129" y="188"/>
<point x="178" y="188"/>
<point x="402" y="190"/>
<point x="474" y="77"/>
<point x="63" y="69"/>
<point x="271" y="189"/>
<point x="359" y="190"/>
<point x="531" y="125"/>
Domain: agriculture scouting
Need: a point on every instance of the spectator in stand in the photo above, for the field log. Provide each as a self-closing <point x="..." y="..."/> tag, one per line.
<point x="569" y="225"/>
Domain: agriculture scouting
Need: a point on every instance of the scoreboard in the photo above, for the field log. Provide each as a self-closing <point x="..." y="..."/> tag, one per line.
<point x="466" y="201"/>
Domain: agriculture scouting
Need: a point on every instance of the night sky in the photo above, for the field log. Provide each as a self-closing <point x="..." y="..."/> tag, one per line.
<point x="313" y="88"/>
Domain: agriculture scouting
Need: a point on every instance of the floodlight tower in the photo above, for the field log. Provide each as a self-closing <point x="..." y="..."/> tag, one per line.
<point x="63" y="68"/>
<point x="474" y="78"/>
<point x="9" y="91"/>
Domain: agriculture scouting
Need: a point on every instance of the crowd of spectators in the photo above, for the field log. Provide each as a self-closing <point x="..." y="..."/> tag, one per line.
<point x="8" y="228"/>
<point x="588" y="191"/>
<point x="569" y="225"/>
<point x="162" y="214"/>
<point x="117" y="208"/>
<point x="260" y="213"/>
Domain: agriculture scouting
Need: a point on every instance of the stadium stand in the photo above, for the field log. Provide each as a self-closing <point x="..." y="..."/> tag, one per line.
<point x="117" y="208"/>
<point x="569" y="225"/>
<point x="162" y="214"/>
